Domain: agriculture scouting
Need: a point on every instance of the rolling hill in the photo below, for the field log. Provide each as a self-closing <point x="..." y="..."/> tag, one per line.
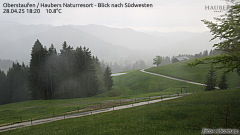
<point x="197" y="73"/>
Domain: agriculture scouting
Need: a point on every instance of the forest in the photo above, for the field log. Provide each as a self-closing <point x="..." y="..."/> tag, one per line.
<point x="72" y="73"/>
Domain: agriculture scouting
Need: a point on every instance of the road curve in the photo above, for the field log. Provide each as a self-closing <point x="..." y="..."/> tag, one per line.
<point x="41" y="121"/>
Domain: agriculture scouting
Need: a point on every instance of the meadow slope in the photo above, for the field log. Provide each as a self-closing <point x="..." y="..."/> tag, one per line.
<point x="196" y="73"/>
<point x="186" y="115"/>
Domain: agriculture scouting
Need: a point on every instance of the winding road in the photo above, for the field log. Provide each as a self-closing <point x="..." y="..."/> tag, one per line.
<point x="173" y="78"/>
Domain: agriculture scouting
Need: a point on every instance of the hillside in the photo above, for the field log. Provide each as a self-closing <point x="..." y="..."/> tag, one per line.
<point x="133" y="84"/>
<point x="136" y="82"/>
<point x="148" y="42"/>
<point x="119" y="45"/>
<point x="186" y="115"/>
<point x="21" y="48"/>
<point x="197" y="73"/>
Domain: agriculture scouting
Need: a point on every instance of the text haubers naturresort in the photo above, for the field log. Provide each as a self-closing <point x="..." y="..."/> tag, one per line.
<point x="71" y="5"/>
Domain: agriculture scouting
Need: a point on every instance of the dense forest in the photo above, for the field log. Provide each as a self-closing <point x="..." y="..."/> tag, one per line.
<point x="72" y="73"/>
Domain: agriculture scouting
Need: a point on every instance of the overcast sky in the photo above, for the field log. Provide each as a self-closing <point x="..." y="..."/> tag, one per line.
<point x="165" y="16"/>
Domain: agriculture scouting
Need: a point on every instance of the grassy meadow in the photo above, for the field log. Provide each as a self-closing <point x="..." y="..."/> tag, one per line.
<point x="197" y="73"/>
<point x="134" y="84"/>
<point x="186" y="115"/>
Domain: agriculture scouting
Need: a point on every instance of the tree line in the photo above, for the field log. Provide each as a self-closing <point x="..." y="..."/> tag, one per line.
<point x="126" y="65"/>
<point x="201" y="54"/>
<point x="13" y="86"/>
<point x="72" y="73"/>
<point x="160" y="60"/>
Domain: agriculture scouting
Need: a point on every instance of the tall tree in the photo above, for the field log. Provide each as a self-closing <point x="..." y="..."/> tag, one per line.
<point x="157" y="60"/>
<point x="3" y="91"/>
<point x="50" y="66"/>
<point x="37" y="74"/>
<point x="66" y="72"/>
<point x="17" y="83"/>
<point x="226" y="28"/>
<point x="91" y="74"/>
<point x="108" y="78"/>
<point x="100" y="75"/>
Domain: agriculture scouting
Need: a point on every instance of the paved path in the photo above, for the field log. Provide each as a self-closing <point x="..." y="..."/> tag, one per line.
<point x="41" y="121"/>
<point x="173" y="78"/>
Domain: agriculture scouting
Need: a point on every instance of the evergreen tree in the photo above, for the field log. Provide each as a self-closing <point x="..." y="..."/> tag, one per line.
<point x="91" y="74"/>
<point x="108" y="78"/>
<point x="205" y="53"/>
<point x="210" y="80"/>
<point x="50" y="72"/>
<point x="100" y="75"/>
<point x="37" y="74"/>
<point x="66" y="72"/>
<point x="211" y="53"/>
<point x="223" y="82"/>
<point x="3" y="91"/>
<point x="17" y="83"/>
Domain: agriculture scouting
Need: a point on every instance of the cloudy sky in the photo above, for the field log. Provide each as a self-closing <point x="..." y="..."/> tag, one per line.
<point x="164" y="16"/>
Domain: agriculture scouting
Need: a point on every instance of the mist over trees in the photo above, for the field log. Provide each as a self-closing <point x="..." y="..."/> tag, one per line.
<point x="14" y="85"/>
<point x="72" y="73"/>
<point x="126" y="65"/>
<point x="5" y="64"/>
<point x="200" y="54"/>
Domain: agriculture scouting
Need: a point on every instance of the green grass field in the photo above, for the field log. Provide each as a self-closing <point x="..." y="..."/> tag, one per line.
<point x="134" y="84"/>
<point x="186" y="115"/>
<point x="197" y="73"/>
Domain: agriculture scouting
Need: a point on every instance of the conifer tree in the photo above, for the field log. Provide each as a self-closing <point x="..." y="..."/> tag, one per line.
<point x="108" y="78"/>
<point x="2" y="87"/>
<point x="51" y="72"/>
<point x="223" y="82"/>
<point x="36" y="77"/>
<point x="17" y="83"/>
<point x="66" y="72"/>
<point x="210" y="80"/>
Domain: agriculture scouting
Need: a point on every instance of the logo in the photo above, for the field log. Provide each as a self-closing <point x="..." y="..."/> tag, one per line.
<point x="217" y="8"/>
